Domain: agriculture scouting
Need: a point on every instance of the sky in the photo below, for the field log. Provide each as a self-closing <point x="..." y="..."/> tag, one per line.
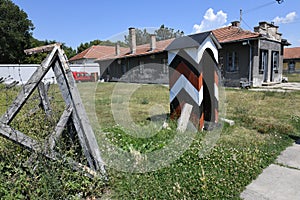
<point x="75" y="21"/>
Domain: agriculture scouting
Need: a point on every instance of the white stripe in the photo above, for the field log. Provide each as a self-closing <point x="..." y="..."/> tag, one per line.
<point x="216" y="91"/>
<point x="184" y="83"/>
<point x="200" y="95"/>
<point x="171" y="55"/>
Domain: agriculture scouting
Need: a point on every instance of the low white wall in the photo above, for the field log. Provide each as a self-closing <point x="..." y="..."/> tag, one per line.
<point x="23" y="72"/>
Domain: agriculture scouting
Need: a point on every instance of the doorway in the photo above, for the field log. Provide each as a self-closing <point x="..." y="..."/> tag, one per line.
<point x="208" y="65"/>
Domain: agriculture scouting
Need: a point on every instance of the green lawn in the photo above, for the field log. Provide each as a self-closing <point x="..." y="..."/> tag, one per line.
<point x="293" y="77"/>
<point x="265" y="124"/>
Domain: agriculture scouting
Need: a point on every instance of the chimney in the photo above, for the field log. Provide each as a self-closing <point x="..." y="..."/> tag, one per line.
<point x="152" y="42"/>
<point x="117" y="49"/>
<point x="268" y="30"/>
<point x="236" y="23"/>
<point x="132" y="40"/>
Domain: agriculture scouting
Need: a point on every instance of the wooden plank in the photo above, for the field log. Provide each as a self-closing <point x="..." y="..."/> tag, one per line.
<point x="45" y="48"/>
<point x="59" y="128"/>
<point x="184" y="117"/>
<point x="65" y="90"/>
<point x="28" y="88"/>
<point x="80" y="117"/>
<point x="19" y="137"/>
<point x="31" y="144"/>
<point x="45" y="99"/>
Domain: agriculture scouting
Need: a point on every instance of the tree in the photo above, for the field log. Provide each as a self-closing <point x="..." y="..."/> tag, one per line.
<point x="84" y="46"/>
<point x="15" y="32"/>
<point x="38" y="58"/>
<point x="163" y="33"/>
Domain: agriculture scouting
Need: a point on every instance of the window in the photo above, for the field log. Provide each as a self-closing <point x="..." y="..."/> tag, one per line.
<point x="164" y="63"/>
<point x="263" y="61"/>
<point x="124" y="68"/>
<point x="232" y="62"/>
<point x="291" y="66"/>
<point x="141" y="67"/>
<point x="275" y="61"/>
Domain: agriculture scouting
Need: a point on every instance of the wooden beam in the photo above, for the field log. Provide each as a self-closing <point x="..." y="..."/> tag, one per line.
<point x="19" y="137"/>
<point x="59" y="128"/>
<point x="31" y="144"/>
<point x="65" y="90"/>
<point x="41" y="49"/>
<point x="80" y="117"/>
<point x="28" y="88"/>
<point x="45" y="99"/>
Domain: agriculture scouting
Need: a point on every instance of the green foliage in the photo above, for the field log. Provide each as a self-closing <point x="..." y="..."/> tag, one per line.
<point x="221" y="174"/>
<point x="239" y="156"/>
<point x="42" y="178"/>
<point x="84" y="46"/>
<point x="293" y="77"/>
<point x="29" y="175"/>
<point x="163" y="33"/>
<point x="38" y="58"/>
<point x="15" y="31"/>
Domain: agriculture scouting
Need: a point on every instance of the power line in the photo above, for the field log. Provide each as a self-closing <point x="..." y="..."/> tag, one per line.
<point x="262" y="6"/>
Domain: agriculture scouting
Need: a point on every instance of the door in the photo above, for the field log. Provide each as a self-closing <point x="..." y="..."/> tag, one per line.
<point x="208" y="65"/>
<point x="264" y="64"/>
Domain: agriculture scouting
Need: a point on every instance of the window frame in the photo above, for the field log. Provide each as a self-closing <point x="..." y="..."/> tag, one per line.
<point x="275" y="59"/>
<point x="141" y="66"/>
<point x="264" y="56"/>
<point x="232" y="64"/>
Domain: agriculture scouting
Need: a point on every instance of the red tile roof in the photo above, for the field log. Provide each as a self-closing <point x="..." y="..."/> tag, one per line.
<point x="291" y="53"/>
<point x="224" y="35"/>
<point x="95" y="51"/>
<point x="140" y="50"/>
<point x="233" y="33"/>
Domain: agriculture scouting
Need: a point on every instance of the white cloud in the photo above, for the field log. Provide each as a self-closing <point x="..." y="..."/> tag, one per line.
<point x="211" y="21"/>
<point x="289" y="18"/>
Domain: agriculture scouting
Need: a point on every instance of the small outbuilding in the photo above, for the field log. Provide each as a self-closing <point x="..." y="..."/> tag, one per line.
<point x="194" y="77"/>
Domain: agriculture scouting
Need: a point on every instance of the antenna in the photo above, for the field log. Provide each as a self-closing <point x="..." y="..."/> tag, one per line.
<point x="241" y="15"/>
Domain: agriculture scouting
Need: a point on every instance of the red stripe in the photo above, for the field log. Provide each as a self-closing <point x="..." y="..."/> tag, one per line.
<point x="201" y="122"/>
<point x="216" y="78"/>
<point x="182" y="68"/>
<point x="194" y="118"/>
<point x="216" y="116"/>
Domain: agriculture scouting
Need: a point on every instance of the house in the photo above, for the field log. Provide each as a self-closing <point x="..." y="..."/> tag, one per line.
<point x="291" y="60"/>
<point x="146" y="63"/>
<point x="252" y="56"/>
<point x="85" y="60"/>
<point x="256" y="57"/>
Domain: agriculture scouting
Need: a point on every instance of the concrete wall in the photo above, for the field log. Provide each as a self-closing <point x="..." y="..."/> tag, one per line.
<point x="142" y="69"/>
<point x="258" y="78"/>
<point x="22" y="72"/>
<point x="233" y="78"/>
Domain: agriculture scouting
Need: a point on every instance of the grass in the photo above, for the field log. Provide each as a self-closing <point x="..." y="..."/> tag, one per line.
<point x="265" y="122"/>
<point x="295" y="77"/>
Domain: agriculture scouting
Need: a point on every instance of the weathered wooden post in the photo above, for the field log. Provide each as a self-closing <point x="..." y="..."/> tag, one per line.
<point x="74" y="110"/>
<point x="193" y="77"/>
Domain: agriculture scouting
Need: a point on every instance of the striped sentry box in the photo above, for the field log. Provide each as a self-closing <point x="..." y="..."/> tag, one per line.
<point x="193" y="77"/>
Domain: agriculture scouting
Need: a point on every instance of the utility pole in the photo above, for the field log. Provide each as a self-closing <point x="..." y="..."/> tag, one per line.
<point x="241" y="15"/>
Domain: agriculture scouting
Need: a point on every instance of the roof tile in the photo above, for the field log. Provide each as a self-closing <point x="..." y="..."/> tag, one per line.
<point x="291" y="53"/>
<point x="233" y="33"/>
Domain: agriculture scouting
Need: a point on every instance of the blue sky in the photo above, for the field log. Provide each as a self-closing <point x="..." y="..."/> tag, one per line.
<point x="74" y="22"/>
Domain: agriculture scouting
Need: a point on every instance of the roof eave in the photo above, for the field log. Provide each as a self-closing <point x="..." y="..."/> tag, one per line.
<point x="130" y="56"/>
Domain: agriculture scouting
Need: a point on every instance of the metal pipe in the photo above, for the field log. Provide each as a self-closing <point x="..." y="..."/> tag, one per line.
<point x="250" y="63"/>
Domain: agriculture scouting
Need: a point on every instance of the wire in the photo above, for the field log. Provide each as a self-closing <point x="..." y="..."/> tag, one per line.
<point x="246" y="24"/>
<point x="258" y="7"/>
